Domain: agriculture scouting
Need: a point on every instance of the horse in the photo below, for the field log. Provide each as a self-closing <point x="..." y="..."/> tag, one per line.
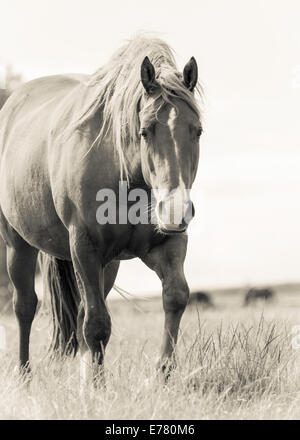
<point x="202" y="299"/>
<point x="4" y="279"/>
<point x="255" y="294"/>
<point x="65" y="137"/>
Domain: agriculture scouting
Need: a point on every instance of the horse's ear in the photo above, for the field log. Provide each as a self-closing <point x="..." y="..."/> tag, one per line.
<point x="147" y="75"/>
<point x="190" y="74"/>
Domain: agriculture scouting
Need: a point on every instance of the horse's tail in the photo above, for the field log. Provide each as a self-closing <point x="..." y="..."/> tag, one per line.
<point x="59" y="280"/>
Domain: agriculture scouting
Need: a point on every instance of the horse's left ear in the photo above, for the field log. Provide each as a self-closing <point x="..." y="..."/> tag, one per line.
<point x="190" y="74"/>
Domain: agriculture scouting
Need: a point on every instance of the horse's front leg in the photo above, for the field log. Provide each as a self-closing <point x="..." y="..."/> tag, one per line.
<point x="96" y="320"/>
<point x="167" y="260"/>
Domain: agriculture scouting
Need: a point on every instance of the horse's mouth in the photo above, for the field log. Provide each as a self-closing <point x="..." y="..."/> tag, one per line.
<point x="176" y="231"/>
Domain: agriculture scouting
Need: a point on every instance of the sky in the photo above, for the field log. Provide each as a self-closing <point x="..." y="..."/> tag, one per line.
<point x="246" y="194"/>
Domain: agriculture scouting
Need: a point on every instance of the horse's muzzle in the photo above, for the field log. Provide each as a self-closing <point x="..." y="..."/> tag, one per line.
<point x="170" y="230"/>
<point x="174" y="219"/>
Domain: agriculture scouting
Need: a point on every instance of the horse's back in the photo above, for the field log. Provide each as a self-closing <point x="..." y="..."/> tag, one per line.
<point x="33" y="95"/>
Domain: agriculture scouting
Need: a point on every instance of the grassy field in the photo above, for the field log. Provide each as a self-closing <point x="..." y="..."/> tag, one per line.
<point x="233" y="362"/>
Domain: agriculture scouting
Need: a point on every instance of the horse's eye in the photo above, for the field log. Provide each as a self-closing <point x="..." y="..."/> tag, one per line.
<point x="143" y="133"/>
<point x="199" y="132"/>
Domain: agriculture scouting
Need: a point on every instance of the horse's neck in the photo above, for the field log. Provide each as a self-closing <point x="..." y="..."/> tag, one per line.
<point x="131" y="152"/>
<point x="133" y="162"/>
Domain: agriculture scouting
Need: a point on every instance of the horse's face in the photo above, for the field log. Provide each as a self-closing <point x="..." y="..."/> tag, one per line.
<point x="169" y="151"/>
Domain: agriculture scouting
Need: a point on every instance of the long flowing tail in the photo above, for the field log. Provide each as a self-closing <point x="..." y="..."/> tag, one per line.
<point x="59" y="280"/>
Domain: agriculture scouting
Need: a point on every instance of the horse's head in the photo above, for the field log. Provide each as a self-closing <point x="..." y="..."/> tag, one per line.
<point x="170" y="132"/>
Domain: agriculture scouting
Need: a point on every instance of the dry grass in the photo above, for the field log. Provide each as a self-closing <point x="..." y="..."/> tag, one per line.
<point x="233" y="362"/>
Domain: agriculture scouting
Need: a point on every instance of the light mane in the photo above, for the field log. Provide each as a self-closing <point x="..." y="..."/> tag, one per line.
<point x="117" y="90"/>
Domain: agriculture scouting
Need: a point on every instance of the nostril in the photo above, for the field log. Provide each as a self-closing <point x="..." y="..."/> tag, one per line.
<point x="193" y="210"/>
<point x="189" y="212"/>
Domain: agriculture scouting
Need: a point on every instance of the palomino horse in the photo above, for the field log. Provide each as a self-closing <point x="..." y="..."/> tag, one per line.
<point x="63" y="138"/>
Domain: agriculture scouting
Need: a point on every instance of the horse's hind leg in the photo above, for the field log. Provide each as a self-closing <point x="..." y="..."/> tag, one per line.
<point x="21" y="262"/>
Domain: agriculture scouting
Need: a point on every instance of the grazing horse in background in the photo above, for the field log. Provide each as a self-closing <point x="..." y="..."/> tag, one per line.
<point x="201" y="298"/>
<point x="65" y="137"/>
<point x="255" y="294"/>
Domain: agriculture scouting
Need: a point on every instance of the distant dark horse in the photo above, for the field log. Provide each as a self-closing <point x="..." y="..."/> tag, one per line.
<point x="200" y="298"/>
<point x="255" y="294"/>
<point x="65" y="137"/>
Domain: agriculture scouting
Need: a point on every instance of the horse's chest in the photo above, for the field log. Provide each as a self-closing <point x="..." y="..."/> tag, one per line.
<point x="143" y="239"/>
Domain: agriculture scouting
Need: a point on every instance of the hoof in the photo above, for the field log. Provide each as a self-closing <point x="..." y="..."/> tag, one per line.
<point x="166" y="367"/>
<point x="91" y="373"/>
<point x="23" y="374"/>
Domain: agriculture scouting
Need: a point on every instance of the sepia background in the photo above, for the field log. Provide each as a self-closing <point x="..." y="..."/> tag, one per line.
<point x="236" y="358"/>
<point x="246" y="229"/>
